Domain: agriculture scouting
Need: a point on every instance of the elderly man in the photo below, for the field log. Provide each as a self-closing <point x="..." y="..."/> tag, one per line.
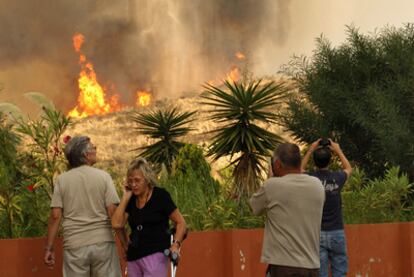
<point x="85" y="198"/>
<point x="293" y="203"/>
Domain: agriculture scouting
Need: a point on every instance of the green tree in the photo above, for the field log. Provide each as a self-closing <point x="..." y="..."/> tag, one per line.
<point x="10" y="177"/>
<point x="359" y="94"/>
<point x="238" y="108"/>
<point x="44" y="158"/>
<point x="165" y="126"/>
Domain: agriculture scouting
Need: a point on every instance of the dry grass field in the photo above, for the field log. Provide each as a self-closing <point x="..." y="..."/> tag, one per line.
<point x="116" y="137"/>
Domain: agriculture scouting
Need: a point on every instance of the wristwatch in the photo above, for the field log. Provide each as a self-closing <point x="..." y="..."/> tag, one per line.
<point x="177" y="242"/>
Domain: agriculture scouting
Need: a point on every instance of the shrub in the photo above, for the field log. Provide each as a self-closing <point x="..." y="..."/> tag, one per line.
<point x="203" y="202"/>
<point x="378" y="200"/>
<point x="28" y="172"/>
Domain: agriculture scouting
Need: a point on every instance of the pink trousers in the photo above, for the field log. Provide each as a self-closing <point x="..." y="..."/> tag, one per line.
<point x="155" y="265"/>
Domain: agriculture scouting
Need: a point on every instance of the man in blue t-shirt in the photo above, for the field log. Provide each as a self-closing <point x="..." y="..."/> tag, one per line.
<point x="332" y="241"/>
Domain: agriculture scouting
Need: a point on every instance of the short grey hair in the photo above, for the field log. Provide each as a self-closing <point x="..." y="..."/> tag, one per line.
<point x="75" y="150"/>
<point x="288" y="154"/>
<point x="142" y="165"/>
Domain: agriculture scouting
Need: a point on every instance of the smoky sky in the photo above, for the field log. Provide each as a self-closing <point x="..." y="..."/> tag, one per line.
<point x="169" y="47"/>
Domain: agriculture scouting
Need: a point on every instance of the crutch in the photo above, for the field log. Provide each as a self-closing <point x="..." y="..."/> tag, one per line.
<point x="174" y="256"/>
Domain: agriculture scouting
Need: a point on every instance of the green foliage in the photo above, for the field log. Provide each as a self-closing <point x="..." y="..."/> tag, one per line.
<point x="28" y="171"/>
<point x="191" y="157"/>
<point x="237" y="109"/>
<point x="377" y="200"/>
<point x="9" y="177"/>
<point x="190" y="161"/>
<point x="40" y="99"/>
<point x="165" y="126"/>
<point x="45" y="159"/>
<point x="360" y="94"/>
<point x="11" y="110"/>
<point x="201" y="200"/>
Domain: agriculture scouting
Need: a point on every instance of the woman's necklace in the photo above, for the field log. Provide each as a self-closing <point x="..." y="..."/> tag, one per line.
<point x="147" y="195"/>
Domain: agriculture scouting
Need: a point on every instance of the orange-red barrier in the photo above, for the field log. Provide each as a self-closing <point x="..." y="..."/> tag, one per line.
<point x="374" y="250"/>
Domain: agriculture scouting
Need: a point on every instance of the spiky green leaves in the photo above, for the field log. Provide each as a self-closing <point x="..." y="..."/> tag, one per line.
<point x="239" y="108"/>
<point x="165" y="126"/>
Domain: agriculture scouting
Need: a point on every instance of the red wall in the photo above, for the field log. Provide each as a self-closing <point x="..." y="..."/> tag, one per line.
<point x="374" y="250"/>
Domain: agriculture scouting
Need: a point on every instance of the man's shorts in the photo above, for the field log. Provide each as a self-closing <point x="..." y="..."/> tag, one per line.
<point x="97" y="260"/>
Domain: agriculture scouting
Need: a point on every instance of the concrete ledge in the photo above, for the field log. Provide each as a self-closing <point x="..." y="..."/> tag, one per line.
<point x="374" y="250"/>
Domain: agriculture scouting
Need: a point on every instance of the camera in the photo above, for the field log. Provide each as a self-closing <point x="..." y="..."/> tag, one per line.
<point x="324" y="142"/>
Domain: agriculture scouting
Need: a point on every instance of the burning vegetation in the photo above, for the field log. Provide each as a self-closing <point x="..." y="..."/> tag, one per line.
<point x="93" y="99"/>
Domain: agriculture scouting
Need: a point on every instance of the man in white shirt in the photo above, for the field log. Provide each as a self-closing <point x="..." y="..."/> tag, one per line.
<point x="84" y="199"/>
<point x="293" y="203"/>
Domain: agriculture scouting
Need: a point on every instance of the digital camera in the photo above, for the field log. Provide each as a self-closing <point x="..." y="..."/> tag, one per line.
<point x="324" y="142"/>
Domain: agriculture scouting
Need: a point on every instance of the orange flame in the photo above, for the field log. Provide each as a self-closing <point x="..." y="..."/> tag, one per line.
<point x="239" y="55"/>
<point x="143" y="98"/>
<point x="234" y="74"/>
<point x="92" y="98"/>
<point x="78" y="40"/>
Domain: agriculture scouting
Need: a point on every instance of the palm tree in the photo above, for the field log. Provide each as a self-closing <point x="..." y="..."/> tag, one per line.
<point x="165" y="126"/>
<point x="237" y="109"/>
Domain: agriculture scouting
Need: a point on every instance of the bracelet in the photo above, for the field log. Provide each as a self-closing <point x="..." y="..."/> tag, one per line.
<point x="49" y="248"/>
<point x="177" y="242"/>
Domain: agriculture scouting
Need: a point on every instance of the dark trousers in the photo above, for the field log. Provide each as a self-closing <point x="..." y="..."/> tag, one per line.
<point x="288" y="271"/>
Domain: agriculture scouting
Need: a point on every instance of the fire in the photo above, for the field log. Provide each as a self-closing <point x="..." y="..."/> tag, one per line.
<point x="78" y="40"/>
<point x="234" y="74"/>
<point x="239" y="55"/>
<point x="92" y="99"/>
<point x="143" y="98"/>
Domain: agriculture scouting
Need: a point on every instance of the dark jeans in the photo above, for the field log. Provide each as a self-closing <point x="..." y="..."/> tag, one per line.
<point x="288" y="271"/>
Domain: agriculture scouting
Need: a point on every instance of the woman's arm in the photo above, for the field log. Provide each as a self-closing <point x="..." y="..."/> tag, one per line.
<point x="181" y="228"/>
<point x="120" y="217"/>
<point x="123" y="238"/>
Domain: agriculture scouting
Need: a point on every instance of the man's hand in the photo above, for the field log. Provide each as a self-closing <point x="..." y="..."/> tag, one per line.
<point x="335" y="147"/>
<point x="314" y="145"/>
<point x="338" y="151"/>
<point x="49" y="258"/>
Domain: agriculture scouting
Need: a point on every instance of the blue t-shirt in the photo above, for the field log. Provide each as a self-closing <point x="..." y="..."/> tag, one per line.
<point x="333" y="182"/>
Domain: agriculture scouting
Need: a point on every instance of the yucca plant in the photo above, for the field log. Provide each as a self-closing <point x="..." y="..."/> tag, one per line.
<point x="165" y="126"/>
<point x="237" y="109"/>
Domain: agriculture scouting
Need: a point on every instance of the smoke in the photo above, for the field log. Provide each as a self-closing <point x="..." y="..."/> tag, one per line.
<point x="169" y="47"/>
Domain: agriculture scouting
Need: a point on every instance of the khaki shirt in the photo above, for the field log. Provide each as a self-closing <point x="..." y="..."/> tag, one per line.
<point x="84" y="193"/>
<point x="293" y="205"/>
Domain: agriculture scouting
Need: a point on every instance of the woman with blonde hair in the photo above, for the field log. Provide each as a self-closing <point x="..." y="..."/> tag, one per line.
<point x="147" y="208"/>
